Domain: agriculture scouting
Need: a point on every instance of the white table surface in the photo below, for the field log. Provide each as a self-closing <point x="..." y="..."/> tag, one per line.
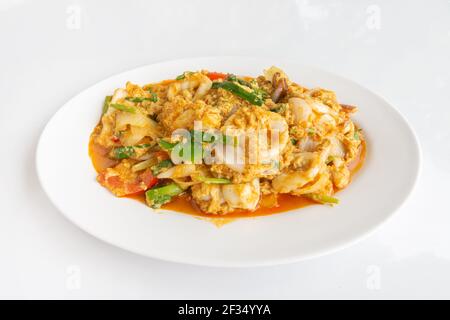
<point x="51" y="50"/>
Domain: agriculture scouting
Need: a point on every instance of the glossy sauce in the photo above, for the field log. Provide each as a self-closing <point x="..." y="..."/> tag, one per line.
<point x="286" y="202"/>
<point x="183" y="203"/>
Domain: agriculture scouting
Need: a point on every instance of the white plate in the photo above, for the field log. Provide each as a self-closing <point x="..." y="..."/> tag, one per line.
<point x="379" y="188"/>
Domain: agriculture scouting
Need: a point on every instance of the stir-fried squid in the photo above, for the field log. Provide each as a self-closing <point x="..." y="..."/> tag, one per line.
<point x="224" y="141"/>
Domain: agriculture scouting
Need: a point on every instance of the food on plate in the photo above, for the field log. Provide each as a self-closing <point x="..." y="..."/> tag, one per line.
<point x="219" y="144"/>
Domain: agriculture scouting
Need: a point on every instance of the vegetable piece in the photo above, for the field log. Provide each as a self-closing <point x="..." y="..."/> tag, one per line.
<point x="148" y="179"/>
<point x="123" y="152"/>
<point x="138" y="99"/>
<point x="121" y="187"/>
<point x="161" y="155"/>
<point x="356" y="134"/>
<point x="232" y="77"/>
<point x="144" y="145"/>
<point x="106" y="104"/>
<point x="322" y="198"/>
<point x="183" y="75"/>
<point x="122" y="107"/>
<point x="234" y="88"/>
<point x="216" y="75"/>
<point x="166" y="145"/>
<point x="195" y="145"/>
<point x="311" y="131"/>
<point x="127" y="151"/>
<point x="213" y="180"/>
<point x="156" y="169"/>
<point x="154" y="97"/>
<point x="158" y="196"/>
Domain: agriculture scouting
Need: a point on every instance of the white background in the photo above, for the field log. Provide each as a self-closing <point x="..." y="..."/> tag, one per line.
<point x="51" y="50"/>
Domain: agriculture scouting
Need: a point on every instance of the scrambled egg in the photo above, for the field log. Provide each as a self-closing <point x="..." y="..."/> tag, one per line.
<point x="245" y="137"/>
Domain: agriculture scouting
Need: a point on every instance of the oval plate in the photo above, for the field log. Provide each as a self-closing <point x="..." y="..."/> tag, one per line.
<point x="379" y="188"/>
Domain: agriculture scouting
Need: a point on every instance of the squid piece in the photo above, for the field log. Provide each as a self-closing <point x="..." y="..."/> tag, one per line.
<point x="242" y="195"/>
<point x="196" y="81"/>
<point x="209" y="198"/>
<point x="306" y="167"/>
<point x="301" y="110"/>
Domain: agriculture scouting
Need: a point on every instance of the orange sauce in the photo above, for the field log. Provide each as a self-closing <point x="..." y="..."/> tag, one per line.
<point x="183" y="203"/>
<point x="286" y="202"/>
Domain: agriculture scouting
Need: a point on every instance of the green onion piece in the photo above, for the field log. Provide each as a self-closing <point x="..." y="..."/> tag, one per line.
<point x="166" y="145"/>
<point x="311" y="131"/>
<point x="356" y="135"/>
<point x="137" y="99"/>
<point x="106" y="104"/>
<point x="158" y="196"/>
<point x="128" y="151"/>
<point x="122" y="107"/>
<point x="123" y="152"/>
<point x="232" y="77"/>
<point x="234" y="88"/>
<point x="181" y="76"/>
<point x="195" y="145"/>
<point x="154" y="97"/>
<point x="213" y="180"/>
<point x="144" y="145"/>
<point x="260" y="93"/>
<point x="322" y="198"/>
<point x="156" y="169"/>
